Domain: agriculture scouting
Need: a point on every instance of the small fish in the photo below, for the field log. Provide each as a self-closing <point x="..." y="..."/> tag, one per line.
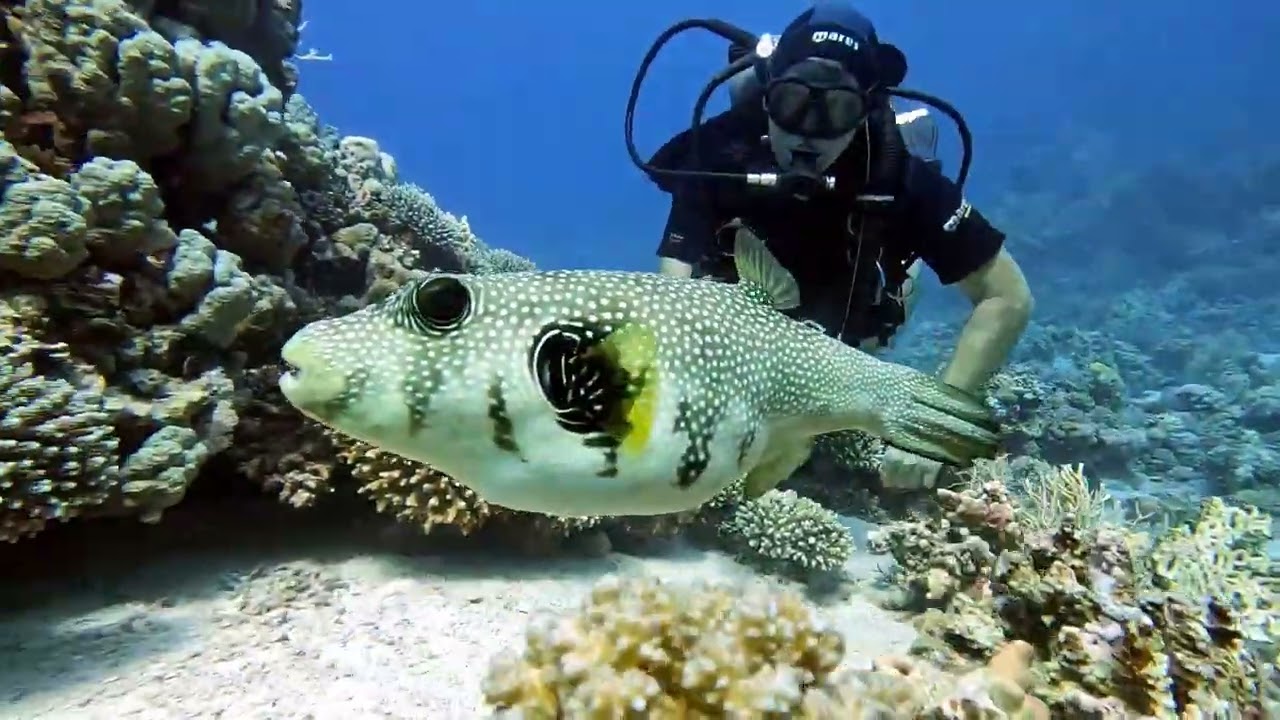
<point x="613" y="393"/>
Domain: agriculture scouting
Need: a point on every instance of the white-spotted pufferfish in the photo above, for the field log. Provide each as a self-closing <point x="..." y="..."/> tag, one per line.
<point x="613" y="393"/>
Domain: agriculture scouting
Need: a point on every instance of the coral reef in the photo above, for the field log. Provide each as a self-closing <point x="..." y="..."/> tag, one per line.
<point x="1157" y="625"/>
<point x="1162" y="424"/>
<point x="131" y="144"/>
<point x="172" y="210"/>
<point x="642" y="648"/>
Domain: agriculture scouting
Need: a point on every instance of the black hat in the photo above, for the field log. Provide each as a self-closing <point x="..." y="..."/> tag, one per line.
<point x="836" y="31"/>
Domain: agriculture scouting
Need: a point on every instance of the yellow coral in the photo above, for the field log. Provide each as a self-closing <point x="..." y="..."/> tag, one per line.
<point x="1221" y="555"/>
<point x="640" y="648"/>
<point x="421" y="495"/>
<point x="412" y="492"/>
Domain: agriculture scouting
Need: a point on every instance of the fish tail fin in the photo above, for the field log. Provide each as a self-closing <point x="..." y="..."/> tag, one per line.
<point x="942" y="422"/>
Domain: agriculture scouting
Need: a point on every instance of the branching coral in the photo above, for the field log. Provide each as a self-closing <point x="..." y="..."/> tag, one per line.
<point x="785" y="531"/>
<point x="851" y="449"/>
<point x="641" y="648"/>
<point x="1051" y="496"/>
<point x="412" y="492"/>
<point x="843" y="474"/>
<point x="299" y="470"/>
<point x="422" y="496"/>
<point x="1088" y="599"/>
<point x="1222" y="554"/>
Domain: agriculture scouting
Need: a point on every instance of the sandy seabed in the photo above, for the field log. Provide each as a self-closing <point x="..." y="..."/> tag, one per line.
<point x="316" y="627"/>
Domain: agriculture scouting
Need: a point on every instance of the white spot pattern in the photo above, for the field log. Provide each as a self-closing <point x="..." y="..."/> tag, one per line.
<point x="738" y="383"/>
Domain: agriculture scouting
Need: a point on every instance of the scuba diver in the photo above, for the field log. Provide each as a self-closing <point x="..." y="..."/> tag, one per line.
<point x="812" y="157"/>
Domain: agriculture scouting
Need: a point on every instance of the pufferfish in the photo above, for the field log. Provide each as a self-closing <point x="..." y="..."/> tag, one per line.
<point x="582" y="392"/>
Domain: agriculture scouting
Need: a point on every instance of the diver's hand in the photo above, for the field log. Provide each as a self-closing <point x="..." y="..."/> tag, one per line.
<point x="901" y="470"/>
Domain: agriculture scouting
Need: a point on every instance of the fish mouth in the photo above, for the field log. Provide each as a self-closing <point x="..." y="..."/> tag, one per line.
<point x="307" y="381"/>
<point x="291" y="367"/>
<point x="289" y="372"/>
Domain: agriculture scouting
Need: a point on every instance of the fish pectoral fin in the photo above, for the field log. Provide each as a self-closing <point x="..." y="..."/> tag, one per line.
<point x="757" y="266"/>
<point x="630" y="357"/>
<point x="941" y="422"/>
<point x="775" y="467"/>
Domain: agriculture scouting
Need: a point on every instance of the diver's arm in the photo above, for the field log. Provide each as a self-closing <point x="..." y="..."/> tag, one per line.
<point x="966" y="250"/>
<point x="674" y="268"/>
<point x="1002" y="305"/>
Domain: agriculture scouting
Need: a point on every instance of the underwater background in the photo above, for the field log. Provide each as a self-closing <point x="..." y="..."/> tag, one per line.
<point x="186" y="183"/>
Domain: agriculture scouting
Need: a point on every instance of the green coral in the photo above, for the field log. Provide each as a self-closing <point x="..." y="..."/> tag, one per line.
<point x="1106" y="387"/>
<point x="1052" y="495"/>
<point x="788" y="532"/>
<point x="57" y="444"/>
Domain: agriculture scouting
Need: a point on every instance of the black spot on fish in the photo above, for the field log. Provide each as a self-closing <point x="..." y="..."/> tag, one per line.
<point x="697" y="453"/>
<point x="417" y="401"/>
<point x="503" y="431"/>
<point x="356" y="384"/>
<point x="601" y="441"/>
<point x="584" y="388"/>
<point x="417" y="419"/>
<point x="609" y="444"/>
<point x="744" y="447"/>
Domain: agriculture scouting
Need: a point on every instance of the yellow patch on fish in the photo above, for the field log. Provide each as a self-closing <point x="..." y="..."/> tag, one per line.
<point x="632" y="354"/>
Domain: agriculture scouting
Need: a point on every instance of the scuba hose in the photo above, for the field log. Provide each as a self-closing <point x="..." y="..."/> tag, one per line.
<point x="736" y="36"/>
<point x="755" y="58"/>
<point x="962" y="127"/>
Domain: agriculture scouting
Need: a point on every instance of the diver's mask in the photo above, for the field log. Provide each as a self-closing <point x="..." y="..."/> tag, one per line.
<point x="814" y="110"/>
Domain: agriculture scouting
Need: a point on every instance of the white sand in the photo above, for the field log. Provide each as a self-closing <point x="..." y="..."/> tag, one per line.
<point x="310" y="634"/>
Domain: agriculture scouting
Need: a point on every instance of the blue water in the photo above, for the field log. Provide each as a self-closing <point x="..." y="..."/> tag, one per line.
<point x="511" y="113"/>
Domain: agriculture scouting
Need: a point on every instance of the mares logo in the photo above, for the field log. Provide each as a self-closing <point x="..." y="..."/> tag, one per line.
<point x="958" y="216"/>
<point x="822" y="36"/>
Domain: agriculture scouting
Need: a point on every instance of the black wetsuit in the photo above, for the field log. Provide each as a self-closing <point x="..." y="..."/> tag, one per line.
<point x="818" y="239"/>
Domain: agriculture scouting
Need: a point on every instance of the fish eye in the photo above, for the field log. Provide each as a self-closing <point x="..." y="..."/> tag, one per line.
<point x="443" y="303"/>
